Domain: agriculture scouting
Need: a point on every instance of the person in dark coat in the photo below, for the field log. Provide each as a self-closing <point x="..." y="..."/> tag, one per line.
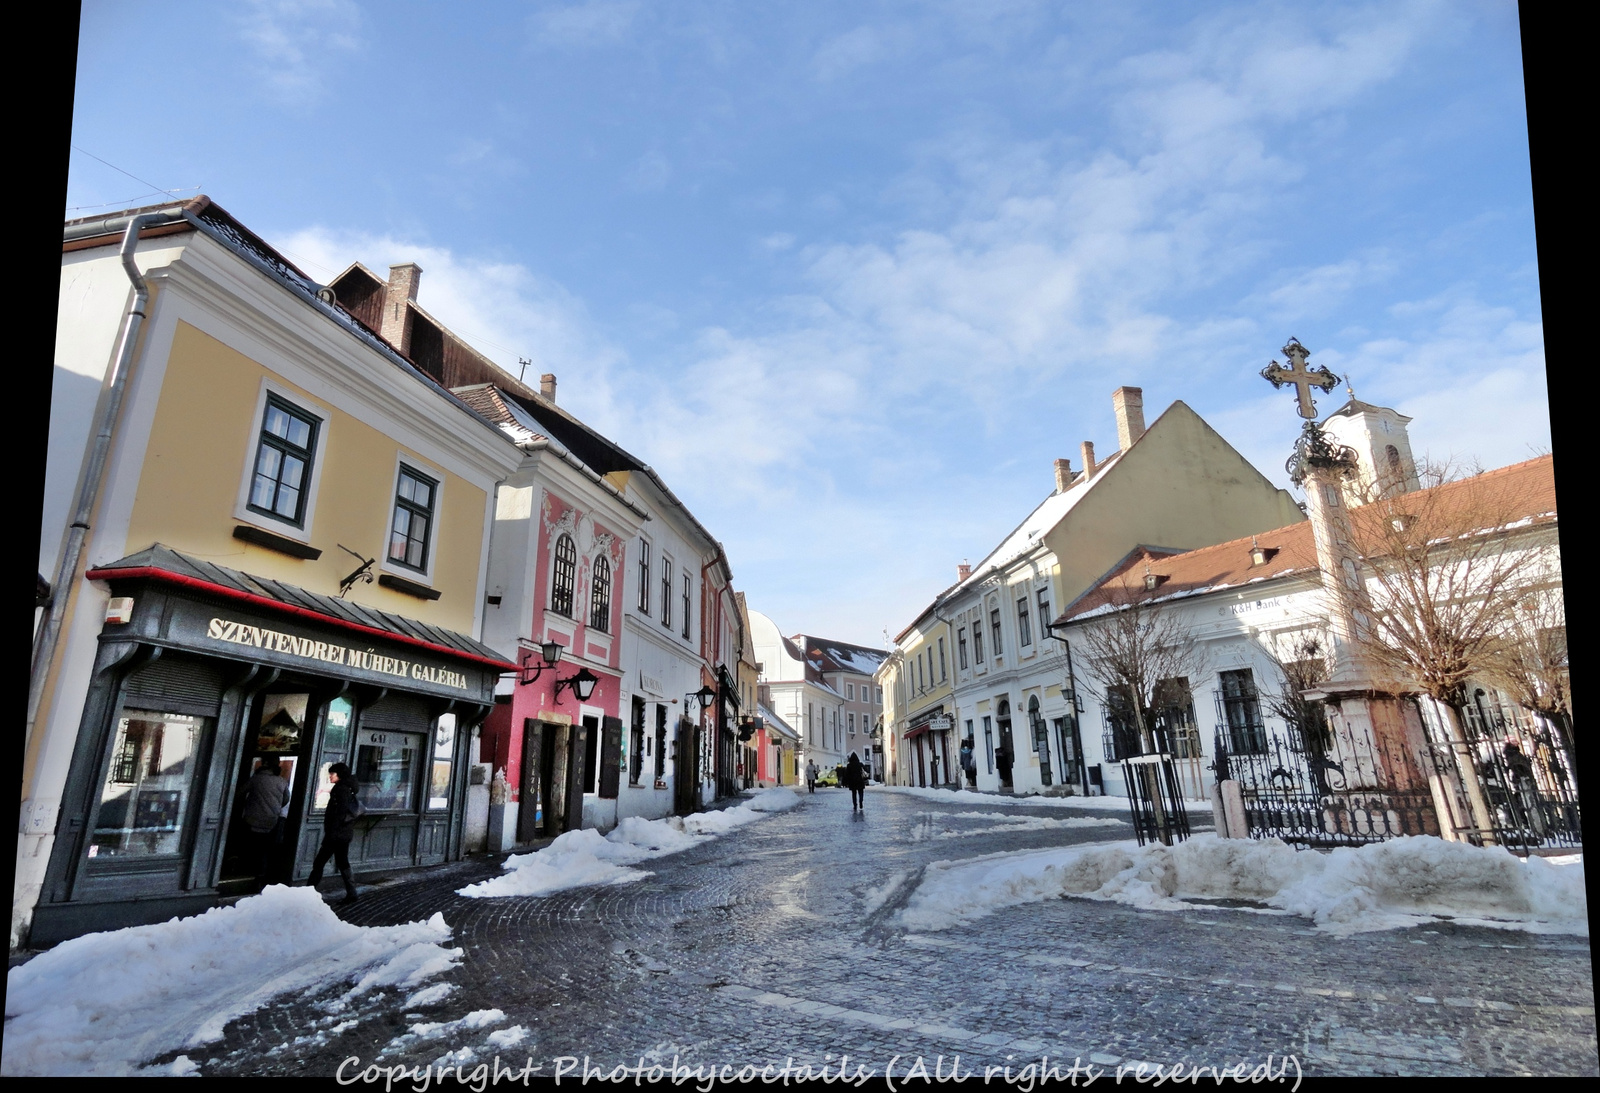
<point x="338" y="827"/>
<point x="855" y="776"/>
<point x="265" y="796"/>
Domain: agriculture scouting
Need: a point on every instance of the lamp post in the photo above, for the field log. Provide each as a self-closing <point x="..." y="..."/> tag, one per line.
<point x="582" y="683"/>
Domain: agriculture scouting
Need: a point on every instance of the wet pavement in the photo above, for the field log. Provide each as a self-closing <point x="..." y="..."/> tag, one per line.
<point x="779" y="942"/>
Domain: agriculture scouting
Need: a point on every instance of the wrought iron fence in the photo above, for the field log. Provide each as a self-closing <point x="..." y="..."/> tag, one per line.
<point x="1304" y="799"/>
<point x="1525" y="770"/>
<point x="1151" y="779"/>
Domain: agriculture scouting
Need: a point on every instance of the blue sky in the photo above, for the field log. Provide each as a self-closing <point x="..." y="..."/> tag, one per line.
<point x="851" y="275"/>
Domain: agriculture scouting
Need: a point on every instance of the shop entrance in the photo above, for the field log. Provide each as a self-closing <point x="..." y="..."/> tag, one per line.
<point x="546" y="771"/>
<point x="1006" y="755"/>
<point x="278" y="731"/>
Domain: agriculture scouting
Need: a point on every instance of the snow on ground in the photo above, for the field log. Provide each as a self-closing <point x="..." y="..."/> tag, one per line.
<point x="1397" y="883"/>
<point x="585" y="857"/>
<point x="105" y="1003"/>
<point x="972" y="797"/>
<point x="1008" y="822"/>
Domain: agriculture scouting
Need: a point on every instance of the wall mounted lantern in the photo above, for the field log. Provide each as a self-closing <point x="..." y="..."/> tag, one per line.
<point x="530" y="671"/>
<point x="582" y="684"/>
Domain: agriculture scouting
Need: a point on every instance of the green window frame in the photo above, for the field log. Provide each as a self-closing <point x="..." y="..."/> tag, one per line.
<point x="415" y="498"/>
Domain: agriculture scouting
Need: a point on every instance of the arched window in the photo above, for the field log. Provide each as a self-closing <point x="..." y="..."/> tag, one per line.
<point x="1393" y="455"/>
<point x="565" y="576"/>
<point x="600" y="596"/>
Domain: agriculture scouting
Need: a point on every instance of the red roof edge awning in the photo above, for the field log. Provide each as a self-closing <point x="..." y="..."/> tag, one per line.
<point x="157" y="574"/>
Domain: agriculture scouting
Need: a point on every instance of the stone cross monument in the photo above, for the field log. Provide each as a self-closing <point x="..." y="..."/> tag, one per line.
<point x="1378" y="739"/>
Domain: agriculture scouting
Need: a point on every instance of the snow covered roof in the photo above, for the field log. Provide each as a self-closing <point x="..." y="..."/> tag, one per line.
<point x="839" y="656"/>
<point x="774" y="722"/>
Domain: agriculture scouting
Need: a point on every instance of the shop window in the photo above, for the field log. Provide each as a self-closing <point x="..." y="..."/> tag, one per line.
<point x="283" y="462"/>
<point x="386" y="769"/>
<point x="636" y="742"/>
<point x="413" y="519"/>
<point x="600" y="596"/>
<point x="444" y="748"/>
<point x="564" y="577"/>
<point x="335" y="746"/>
<point x="147" y="787"/>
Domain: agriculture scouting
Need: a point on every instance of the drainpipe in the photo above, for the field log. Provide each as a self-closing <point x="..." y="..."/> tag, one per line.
<point x="66" y="579"/>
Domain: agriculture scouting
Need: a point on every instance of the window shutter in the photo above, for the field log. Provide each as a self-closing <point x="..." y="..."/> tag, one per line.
<point x="610" y="757"/>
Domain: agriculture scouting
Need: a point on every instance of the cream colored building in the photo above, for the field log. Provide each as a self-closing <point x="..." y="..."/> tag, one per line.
<point x="267" y="530"/>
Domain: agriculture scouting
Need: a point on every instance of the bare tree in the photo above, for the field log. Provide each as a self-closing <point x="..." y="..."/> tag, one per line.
<point x="1136" y="653"/>
<point x="1302" y="663"/>
<point x="1531" y="666"/>
<point x="1447" y="572"/>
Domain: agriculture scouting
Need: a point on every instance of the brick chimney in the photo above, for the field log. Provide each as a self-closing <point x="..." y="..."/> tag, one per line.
<point x="401" y="290"/>
<point x="1086" y="449"/>
<point x="1128" y="404"/>
<point x="963" y="571"/>
<point x="547" y="386"/>
<point x="1063" y="475"/>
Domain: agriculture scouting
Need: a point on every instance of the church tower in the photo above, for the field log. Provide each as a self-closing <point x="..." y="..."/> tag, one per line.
<point x="1382" y="446"/>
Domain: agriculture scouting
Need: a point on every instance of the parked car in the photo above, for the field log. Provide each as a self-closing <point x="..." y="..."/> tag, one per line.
<point x="829" y="777"/>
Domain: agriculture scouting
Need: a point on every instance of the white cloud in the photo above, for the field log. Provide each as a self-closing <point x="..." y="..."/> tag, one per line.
<point x="293" y="41"/>
<point x="594" y="23"/>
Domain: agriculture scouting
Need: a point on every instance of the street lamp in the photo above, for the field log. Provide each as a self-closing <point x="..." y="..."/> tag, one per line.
<point x="582" y="683"/>
<point x="550" y="651"/>
<point x="706" y="696"/>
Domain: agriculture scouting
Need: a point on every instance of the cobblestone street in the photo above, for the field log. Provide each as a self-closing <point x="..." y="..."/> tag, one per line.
<point x="759" y="946"/>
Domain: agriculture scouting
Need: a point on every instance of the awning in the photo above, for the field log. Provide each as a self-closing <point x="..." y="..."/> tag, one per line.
<point x="163" y="564"/>
<point x="918" y="731"/>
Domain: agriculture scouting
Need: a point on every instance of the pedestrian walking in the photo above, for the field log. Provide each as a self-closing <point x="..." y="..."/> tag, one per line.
<point x="811" y="775"/>
<point x="856" y="779"/>
<point x="969" y="762"/>
<point x="266" y="795"/>
<point x="338" y="827"/>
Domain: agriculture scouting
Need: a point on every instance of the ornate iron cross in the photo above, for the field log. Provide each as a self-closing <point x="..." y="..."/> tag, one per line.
<point x="1301" y="377"/>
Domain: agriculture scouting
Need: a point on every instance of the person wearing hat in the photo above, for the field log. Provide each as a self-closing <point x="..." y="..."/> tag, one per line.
<point x="338" y="827"/>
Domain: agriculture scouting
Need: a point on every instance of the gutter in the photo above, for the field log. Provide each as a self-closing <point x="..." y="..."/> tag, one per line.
<point x="83" y="506"/>
<point x="555" y="448"/>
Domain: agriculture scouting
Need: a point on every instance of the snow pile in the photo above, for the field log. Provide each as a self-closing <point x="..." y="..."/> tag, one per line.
<point x="1010" y="822"/>
<point x="1385" y="885"/>
<point x="104" y="1003"/>
<point x="585" y="857"/>
<point x="989" y="800"/>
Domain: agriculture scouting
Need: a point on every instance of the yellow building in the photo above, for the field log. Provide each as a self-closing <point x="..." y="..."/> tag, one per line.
<point x="919" y="714"/>
<point x="265" y="535"/>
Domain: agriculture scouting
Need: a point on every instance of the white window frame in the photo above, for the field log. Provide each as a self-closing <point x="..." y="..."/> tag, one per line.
<point x="242" y="511"/>
<point x="422" y="466"/>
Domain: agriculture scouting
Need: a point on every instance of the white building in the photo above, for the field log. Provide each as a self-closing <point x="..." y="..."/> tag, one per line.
<point x="824" y="689"/>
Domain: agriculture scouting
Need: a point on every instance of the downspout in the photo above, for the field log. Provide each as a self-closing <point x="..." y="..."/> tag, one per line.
<point x="66" y="579"/>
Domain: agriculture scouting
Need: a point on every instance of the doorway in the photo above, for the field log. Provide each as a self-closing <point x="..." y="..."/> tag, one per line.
<point x="277" y="731"/>
<point x="1006" y="754"/>
<point x="538" y="816"/>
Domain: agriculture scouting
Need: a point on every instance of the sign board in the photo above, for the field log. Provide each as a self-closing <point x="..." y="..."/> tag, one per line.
<point x="941" y="723"/>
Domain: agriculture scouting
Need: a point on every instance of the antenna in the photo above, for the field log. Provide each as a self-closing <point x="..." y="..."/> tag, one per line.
<point x="523" y="371"/>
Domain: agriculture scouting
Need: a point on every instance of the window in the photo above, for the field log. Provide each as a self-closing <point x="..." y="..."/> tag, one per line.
<point x="994" y="628"/>
<point x="335" y="746"/>
<point x="961" y="646"/>
<point x="687" y="586"/>
<point x="943" y="674"/>
<point x="386" y="765"/>
<point x="644" y="576"/>
<point x="988" y="742"/>
<point x="600" y="595"/>
<point x="1241" y="710"/>
<point x="444" y="743"/>
<point x="565" y="576"/>
<point x="880" y="695"/>
<point x="283" y="462"/>
<point x="147" y="789"/>
<point x="850" y="691"/>
<point x="636" y="742"/>
<point x="1024" y="634"/>
<point x="413" y="518"/>
<point x="977" y="642"/>
<point x="666" y="591"/>
<point x="661" y="741"/>
<point x="1044" y="613"/>
<point x="852" y="724"/>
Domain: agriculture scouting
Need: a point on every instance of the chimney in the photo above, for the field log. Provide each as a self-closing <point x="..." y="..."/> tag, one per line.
<point x="402" y="289"/>
<point x="963" y="571"/>
<point x="547" y="386"/>
<point x="1086" y="449"/>
<point x="1063" y="475"/>
<point x="1128" y="404"/>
